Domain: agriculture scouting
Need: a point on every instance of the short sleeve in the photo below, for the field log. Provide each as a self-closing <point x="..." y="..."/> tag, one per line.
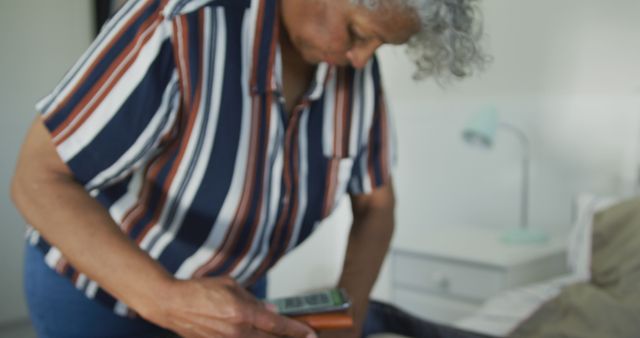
<point x="117" y="104"/>
<point x="376" y="159"/>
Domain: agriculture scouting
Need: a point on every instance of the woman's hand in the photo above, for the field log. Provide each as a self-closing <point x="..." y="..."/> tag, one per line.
<point x="218" y="307"/>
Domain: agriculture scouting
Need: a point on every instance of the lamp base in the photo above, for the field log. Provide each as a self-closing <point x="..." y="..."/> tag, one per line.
<point x="525" y="236"/>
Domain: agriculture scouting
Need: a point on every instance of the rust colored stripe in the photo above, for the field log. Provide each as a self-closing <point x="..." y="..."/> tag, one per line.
<point x="182" y="56"/>
<point x="256" y="44"/>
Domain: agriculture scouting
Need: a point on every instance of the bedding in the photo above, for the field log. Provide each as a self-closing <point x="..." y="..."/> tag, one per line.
<point x="607" y="304"/>
<point x="502" y="314"/>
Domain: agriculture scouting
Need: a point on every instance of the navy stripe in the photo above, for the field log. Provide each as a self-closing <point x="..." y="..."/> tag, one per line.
<point x="148" y="146"/>
<point x="356" y="184"/>
<point x="376" y="140"/>
<point x="317" y="166"/>
<point x="114" y="192"/>
<point x="194" y="52"/>
<point x="69" y="271"/>
<point x="43" y="245"/>
<point x="128" y="123"/>
<point x="105" y="298"/>
<point x="349" y="84"/>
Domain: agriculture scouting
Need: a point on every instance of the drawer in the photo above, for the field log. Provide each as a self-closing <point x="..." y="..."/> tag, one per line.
<point x="447" y="277"/>
<point x="433" y="307"/>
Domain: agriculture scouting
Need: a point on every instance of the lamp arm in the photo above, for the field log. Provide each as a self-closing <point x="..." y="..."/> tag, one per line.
<point x="526" y="150"/>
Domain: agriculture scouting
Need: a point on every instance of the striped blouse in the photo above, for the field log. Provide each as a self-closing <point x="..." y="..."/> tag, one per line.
<point x="174" y="121"/>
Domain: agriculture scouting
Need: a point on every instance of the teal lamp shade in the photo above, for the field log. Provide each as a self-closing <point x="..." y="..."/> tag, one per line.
<point x="481" y="129"/>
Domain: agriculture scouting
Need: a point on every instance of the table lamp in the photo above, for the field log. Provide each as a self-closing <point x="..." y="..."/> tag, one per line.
<point x="481" y="131"/>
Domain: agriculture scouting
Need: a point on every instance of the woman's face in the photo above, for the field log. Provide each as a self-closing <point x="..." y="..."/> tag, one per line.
<point x="339" y="32"/>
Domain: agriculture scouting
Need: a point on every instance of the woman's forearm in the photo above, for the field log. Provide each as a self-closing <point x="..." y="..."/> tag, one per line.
<point x="82" y="229"/>
<point x="368" y="244"/>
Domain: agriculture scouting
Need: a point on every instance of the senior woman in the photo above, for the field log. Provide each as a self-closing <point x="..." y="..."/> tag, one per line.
<point x="196" y="142"/>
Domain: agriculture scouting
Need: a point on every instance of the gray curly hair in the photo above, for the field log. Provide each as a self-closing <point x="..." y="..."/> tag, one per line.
<point x="448" y="42"/>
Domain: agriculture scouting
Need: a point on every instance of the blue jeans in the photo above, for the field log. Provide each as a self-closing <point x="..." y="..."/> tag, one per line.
<point x="59" y="310"/>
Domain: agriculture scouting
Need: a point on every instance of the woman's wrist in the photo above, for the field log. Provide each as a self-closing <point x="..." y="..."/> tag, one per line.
<point x="155" y="297"/>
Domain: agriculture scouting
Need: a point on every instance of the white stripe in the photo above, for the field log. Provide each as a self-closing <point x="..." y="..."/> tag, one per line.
<point x="142" y="142"/>
<point x="273" y="148"/>
<point x="303" y="173"/>
<point x="392" y="139"/>
<point x="120" y="308"/>
<point x="28" y="233"/>
<point x="328" y="115"/>
<point x="344" y="173"/>
<point x="114" y="99"/>
<point x="155" y="231"/>
<point x="91" y="289"/>
<point x="81" y="282"/>
<point x="106" y="36"/>
<point x="201" y="159"/>
<point x="369" y="99"/>
<point x="119" y="209"/>
<point x="53" y="257"/>
<point x="356" y="114"/>
<point x="321" y="75"/>
<point x="232" y="200"/>
<point x="34" y="238"/>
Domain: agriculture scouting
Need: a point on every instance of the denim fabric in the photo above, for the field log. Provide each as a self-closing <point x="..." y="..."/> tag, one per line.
<point x="58" y="310"/>
<point x="385" y="318"/>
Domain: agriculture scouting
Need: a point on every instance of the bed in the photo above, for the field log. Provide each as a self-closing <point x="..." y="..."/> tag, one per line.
<point x="598" y="298"/>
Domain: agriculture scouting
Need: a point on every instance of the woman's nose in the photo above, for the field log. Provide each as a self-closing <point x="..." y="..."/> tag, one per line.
<point x="360" y="54"/>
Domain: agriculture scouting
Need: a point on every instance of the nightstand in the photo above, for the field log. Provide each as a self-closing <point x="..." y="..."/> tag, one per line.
<point x="444" y="275"/>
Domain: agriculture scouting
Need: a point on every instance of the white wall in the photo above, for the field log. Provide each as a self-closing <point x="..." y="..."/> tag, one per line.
<point x="40" y="39"/>
<point x="566" y="72"/>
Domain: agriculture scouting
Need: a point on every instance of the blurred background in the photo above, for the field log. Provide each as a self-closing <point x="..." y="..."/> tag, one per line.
<point x="565" y="72"/>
